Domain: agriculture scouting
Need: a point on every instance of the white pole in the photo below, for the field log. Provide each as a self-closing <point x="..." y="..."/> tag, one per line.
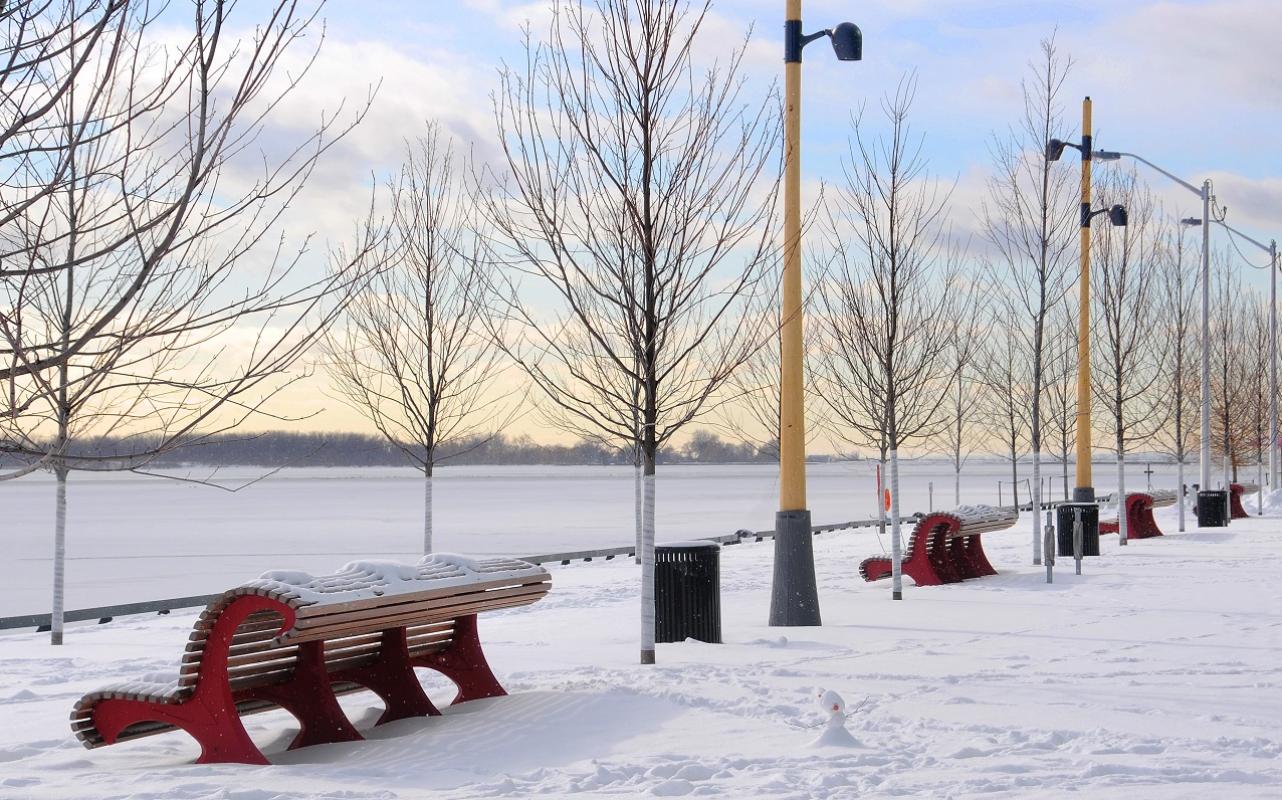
<point x="1205" y="444"/>
<point x="1273" y="364"/>
<point x="896" y="551"/>
<point x="1180" y="490"/>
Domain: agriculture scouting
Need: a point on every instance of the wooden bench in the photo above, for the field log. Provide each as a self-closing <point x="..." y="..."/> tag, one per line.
<point x="293" y="641"/>
<point x="945" y="546"/>
<point x="1139" y="514"/>
<point x="1236" y="490"/>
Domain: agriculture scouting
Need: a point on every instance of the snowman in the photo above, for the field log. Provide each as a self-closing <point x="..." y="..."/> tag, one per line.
<point x="835" y="733"/>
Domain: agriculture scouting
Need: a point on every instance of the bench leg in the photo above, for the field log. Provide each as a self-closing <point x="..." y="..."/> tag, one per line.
<point x="465" y="664"/>
<point x="392" y="678"/>
<point x="959" y="557"/>
<point x="978" y="559"/>
<point x="920" y="568"/>
<point x="216" y="728"/>
<point x="310" y="699"/>
<point x="941" y="560"/>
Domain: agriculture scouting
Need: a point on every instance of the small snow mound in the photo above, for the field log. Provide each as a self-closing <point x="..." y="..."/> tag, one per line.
<point x="673" y="788"/>
<point x="292" y="576"/>
<point x="1273" y="503"/>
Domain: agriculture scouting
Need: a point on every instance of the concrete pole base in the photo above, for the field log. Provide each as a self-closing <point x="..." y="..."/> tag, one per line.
<point x="794" y="598"/>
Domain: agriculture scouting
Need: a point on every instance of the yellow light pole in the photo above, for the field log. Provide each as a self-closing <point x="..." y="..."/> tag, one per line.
<point x="1084" y="489"/>
<point x="794" y="598"/>
<point x="1083" y="509"/>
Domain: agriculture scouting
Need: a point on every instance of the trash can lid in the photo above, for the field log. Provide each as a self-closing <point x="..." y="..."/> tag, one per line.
<point x="692" y="544"/>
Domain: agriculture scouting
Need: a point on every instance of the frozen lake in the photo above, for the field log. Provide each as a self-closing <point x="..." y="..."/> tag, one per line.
<point x="135" y="538"/>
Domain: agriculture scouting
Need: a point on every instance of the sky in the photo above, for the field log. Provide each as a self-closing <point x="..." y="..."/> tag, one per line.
<point x="1194" y="86"/>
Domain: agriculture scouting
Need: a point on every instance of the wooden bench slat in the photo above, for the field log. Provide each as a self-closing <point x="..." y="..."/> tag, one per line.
<point x="427" y="615"/>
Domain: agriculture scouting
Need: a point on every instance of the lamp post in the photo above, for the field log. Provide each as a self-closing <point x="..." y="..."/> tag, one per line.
<point x="1083" y="507"/>
<point x="794" y="599"/>
<point x="1204" y="448"/>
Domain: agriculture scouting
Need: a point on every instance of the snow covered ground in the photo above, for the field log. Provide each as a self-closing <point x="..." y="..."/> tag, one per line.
<point x="1157" y="674"/>
<point x="132" y="538"/>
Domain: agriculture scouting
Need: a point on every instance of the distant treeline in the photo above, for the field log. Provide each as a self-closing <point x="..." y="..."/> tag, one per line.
<point x="278" y="448"/>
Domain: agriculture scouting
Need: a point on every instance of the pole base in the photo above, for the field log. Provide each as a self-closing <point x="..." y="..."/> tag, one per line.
<point x="647" y="656"/>
<point x="794" y="598"/>
<point x="896" y="595"/>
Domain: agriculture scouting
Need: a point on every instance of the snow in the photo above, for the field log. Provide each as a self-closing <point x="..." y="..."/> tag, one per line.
<point x="1154" y="675"/>
<point x="364" y="580"/>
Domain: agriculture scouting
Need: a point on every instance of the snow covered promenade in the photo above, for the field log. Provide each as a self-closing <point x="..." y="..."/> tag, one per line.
<point x="1157" y="674"/>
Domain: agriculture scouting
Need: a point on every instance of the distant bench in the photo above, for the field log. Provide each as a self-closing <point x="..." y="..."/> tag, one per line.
<point x="945" y="546"/>
<point x="295" y="641"/>
<point x="1236" y="490"/>
<point x="1139" y="514"/>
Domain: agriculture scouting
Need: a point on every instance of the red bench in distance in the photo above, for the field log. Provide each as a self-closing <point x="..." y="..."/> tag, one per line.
<point x="1236" y="490"/>
<point x="1139" y="514"/>
<point x="945" y="546"/>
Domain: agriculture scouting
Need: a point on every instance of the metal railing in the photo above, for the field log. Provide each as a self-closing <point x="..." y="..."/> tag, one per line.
<point x="105" y="614"/>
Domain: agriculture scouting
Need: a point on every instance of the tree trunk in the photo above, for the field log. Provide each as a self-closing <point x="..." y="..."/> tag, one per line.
<point x="1014" y="478"/>
<point x="59" y="558"/>
<point x="427" y="510"/>
<point x="957" y="486"/>
<point x="1179" y="479"/>
<point x="1037" y="505"/>
<point x="638" y="514"/>
<point x="647" y="563"/>
<point x="896" y="550"/>
<point x="1121" y="496"/>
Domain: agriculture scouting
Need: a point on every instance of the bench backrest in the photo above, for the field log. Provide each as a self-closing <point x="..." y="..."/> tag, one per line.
<point x="350" y="609"/>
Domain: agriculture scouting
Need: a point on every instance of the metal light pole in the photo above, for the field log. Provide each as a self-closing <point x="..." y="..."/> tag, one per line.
<point x="794" y="599"/>
<point x="1204" y="449"/>
<point x="1273" y="364"/>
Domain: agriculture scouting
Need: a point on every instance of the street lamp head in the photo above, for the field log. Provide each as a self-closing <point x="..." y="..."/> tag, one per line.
<point x="1054" y="149"/>
<point x="1191" y="221"/>
<point x="1106" y="155"/>
<point x="1117" y="216"/>
<point x="848" y="42"/>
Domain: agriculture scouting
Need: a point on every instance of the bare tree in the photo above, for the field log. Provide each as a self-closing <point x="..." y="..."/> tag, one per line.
<point x="1059" y="409"/>
<point x="890" y="304"/>
<point x="640" y="198"/>
<point x="1233" y="367"/>
<point x="960" y="438"/>
<point x="1255" y="342"/>
<point x="416" y="357"/>
<point x="133" y="312"/>
<point x="1181" y="280"/>
<point x="1030" y="224"/>
<point x="1131" y="349"/>
<point x="1003" y="372"/>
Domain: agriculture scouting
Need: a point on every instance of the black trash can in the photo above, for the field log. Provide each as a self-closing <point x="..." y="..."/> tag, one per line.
<point x="687" y="592"/>
<point x="1212" y="508"/>
<point x="1064" y="516"/>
